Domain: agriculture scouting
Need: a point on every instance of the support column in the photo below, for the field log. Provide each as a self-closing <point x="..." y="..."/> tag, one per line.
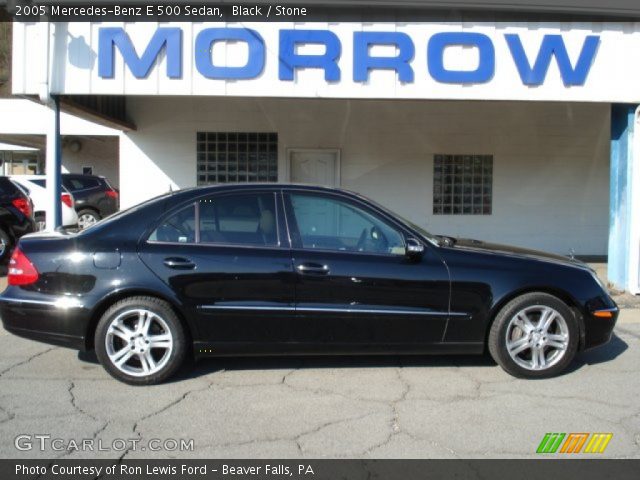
<point x="54" y="167"/>
<point x="622" y="250"/>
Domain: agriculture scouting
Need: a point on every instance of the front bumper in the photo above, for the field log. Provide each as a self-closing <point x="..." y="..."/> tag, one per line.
<point x="56" y="321"/>
<point x="599" y="329"/>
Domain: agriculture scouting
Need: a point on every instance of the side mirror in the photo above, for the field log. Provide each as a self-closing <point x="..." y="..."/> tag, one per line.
<point x="415" y="249"/>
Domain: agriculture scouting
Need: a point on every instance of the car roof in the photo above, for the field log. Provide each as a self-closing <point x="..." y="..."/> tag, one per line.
<point x="82" y="175"/>
<point x="257" y="186"/>
<point x="30" y="178"/>
<point x="267" y="186"/>
<point x="27" y="178"/>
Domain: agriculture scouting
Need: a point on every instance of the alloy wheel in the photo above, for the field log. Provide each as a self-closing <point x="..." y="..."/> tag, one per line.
<point x="85" y="220"/>
<point x="139" y="342"/>
<point x="537" y="337"/>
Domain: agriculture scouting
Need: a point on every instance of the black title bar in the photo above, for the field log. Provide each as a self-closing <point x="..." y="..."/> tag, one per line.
<point x="319" y="11"/>
<point x="547" y="469"/>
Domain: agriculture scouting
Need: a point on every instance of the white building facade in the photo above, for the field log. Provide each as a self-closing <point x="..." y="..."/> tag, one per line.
<point x="508" y="132"/>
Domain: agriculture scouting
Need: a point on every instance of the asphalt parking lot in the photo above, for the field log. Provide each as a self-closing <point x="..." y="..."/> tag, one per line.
<point x="423" y="407"/>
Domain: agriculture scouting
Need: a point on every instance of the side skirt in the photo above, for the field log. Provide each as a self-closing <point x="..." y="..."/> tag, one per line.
<point x="213" y="349"/>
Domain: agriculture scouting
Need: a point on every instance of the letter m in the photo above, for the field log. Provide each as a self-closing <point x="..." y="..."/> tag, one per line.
<point x="550" y="443"/>
<point x="553" y="46"/>
<point x="164" y="38"/>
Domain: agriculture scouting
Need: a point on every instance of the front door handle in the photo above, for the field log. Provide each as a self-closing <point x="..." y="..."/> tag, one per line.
<point x="179" y="263"/>
<point x="313" y="269"/>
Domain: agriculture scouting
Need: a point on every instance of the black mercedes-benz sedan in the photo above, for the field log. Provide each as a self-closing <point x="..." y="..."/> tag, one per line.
<point x="289" y="269"/>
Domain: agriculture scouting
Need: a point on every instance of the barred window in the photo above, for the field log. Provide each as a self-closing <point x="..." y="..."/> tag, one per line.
<point x="225" y="157"/>
<point x="462" y="184"/>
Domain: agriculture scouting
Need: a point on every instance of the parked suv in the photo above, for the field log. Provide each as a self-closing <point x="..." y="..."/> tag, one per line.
<point x="16" y="216"/>
<point x="94" y="197"/>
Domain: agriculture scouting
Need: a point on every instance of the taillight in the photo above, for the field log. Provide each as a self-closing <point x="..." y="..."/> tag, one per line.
<point x="21" y="270"/>
<point x="111" y="194"/>
<point x="23" y="205"/>
<point x="66" y="199"/>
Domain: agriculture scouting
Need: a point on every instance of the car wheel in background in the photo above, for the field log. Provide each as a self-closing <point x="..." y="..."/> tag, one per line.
<point x="40" y="220"/>
<point x="535" y="335"/>
<point x="140" y="341"/>
<point x="5" y="245"/>
<point x="87" y="217"/>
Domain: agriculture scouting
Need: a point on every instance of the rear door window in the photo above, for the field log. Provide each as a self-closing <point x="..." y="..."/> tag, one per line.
<point x="239" y="219"/>
<point x="236" y="219"/>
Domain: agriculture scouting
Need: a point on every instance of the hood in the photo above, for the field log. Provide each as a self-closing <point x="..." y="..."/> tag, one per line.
<point x="480" y="246"/>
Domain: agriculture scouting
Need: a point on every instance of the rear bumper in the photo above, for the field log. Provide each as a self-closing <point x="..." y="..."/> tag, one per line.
<point x="57" y="322"/>
<point x="69" y="217"/>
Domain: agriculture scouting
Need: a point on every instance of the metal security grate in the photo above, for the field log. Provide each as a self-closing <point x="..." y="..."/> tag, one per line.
<point x="462" y="184"/>
<point x="225" y="157"/>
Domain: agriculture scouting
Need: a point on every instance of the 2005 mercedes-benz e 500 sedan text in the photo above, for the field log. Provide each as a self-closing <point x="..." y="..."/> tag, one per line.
<point x="288" y="269"/>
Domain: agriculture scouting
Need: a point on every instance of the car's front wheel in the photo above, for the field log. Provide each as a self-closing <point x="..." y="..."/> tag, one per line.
<point x="140" y="341"/>
<point x="535" y="335"/>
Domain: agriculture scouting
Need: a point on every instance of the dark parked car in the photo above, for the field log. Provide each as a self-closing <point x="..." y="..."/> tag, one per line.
<point x="279" y="269"/>
<point x="94" y="197"/>
<point x="16" y="216"/>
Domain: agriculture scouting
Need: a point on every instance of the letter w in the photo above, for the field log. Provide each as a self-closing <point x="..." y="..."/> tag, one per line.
<point x="109" y="38"/>
<point x="553" y="46"/>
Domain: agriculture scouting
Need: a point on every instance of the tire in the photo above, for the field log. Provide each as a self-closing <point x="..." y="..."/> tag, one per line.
<point x="6" y="245"/>
<point x="87" y="217"/>
<point x="518" y="324"/>
<point x="40" y="220"/>
<point x="119" y="334"/>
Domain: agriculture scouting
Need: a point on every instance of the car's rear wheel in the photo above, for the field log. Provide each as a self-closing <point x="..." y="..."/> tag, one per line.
<point x="140" y="341"/>
<point x="5" y="245"/>
<point x="87" y="217"/>
<point x="535" y="335"/>
<point x="41" y="221"/>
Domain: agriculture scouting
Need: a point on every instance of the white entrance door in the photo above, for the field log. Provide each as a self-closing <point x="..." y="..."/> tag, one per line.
<point x="319" y="167"/>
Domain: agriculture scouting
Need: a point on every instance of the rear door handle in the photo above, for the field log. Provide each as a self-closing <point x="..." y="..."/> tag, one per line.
<point x="313" y="269"/>
<point x="179" y="263"/>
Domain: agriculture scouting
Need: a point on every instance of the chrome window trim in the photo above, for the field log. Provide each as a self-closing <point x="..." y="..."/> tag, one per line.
<point x="221" y="245"/>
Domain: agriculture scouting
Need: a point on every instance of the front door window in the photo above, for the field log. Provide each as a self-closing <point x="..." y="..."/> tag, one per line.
<point x="327" y="223"/>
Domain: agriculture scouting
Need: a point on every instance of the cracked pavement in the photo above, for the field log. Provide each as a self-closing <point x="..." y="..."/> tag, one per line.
<point x="365" y="407"/>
